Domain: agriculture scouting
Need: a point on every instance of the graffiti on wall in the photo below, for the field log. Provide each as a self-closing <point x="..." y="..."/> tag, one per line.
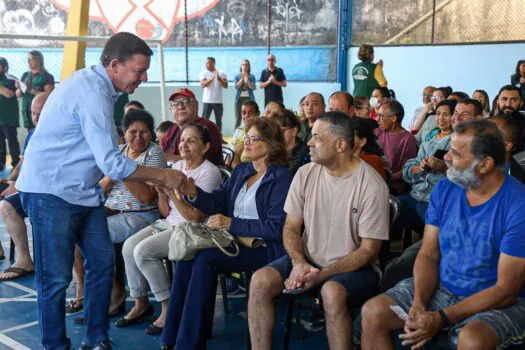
<point x="210" y="22"/>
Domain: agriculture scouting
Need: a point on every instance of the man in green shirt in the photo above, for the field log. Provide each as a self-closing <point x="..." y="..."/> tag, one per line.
<point x="9" y="116"/>
<point x="313" y="106"/>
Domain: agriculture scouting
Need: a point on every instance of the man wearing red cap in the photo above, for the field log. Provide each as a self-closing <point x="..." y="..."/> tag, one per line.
<point x="185" y="107"/>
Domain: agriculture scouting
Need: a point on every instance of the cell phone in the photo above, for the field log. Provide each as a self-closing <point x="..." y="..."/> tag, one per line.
<point x="440" y="154"/>
<point x="293" y="291"/>
<point x="399" y="312"/>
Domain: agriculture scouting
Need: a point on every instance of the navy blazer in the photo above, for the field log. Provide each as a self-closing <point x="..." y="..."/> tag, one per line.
<point x="269" y="198"/>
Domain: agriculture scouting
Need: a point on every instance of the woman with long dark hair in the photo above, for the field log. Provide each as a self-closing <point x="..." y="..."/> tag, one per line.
<point x="518" y="78"/>
<point x="37" y="80"/>
<point x="244" y="86"/>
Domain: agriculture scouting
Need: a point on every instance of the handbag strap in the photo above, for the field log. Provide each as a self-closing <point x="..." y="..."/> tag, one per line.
<point x="232" y="255"/>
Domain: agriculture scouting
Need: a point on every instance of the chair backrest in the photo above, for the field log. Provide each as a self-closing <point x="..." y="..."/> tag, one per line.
<point x="226" y="173"/>
<point x="228" y="156"/>
<point x="394" y="205"/>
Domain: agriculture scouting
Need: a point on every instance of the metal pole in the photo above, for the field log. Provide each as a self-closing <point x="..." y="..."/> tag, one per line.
<point x="162" y="84"/>
<point x="186" y="40"/>
<point x="269" y="14"/>
<point x="344" y="42"/>
<point x="433" y="21"/>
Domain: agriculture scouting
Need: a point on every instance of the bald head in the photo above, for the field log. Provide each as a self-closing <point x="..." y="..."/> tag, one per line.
<point x="37" y="105"/>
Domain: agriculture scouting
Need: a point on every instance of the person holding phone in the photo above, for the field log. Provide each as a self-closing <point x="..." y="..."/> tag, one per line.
<point x="426" y="170"/>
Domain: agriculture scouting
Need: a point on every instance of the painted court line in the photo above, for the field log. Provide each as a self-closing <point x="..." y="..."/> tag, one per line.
<point x="21" y="287"/>
<point x="12" y="344"/>
<point x="19" y="298"/>
<point x="21" y="326"/>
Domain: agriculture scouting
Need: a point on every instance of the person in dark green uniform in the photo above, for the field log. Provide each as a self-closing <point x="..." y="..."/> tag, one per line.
<point x="367" y="76"/>
<point x="37" y="80"/>
<point x="9" y="116"/>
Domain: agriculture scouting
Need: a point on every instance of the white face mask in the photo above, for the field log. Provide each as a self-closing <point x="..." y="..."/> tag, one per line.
<point x="374" y="102"/>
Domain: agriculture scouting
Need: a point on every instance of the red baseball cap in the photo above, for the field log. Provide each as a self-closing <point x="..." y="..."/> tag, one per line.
<point x="182" y="91"/>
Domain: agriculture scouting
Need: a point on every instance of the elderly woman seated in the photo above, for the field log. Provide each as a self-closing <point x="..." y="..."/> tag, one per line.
<point x="130" y="206"/>
<point x="249" y="204"/>
<point x="144" y="251"/>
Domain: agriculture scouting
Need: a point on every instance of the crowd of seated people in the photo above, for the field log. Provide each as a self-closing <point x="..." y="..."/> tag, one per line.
<point x="314" y="186"/>
<point x="250" y="203"/>
<point x="144" y="251"/>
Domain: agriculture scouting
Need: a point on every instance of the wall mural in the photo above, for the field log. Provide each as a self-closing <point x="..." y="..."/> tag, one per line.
<point x="211" y="22"/>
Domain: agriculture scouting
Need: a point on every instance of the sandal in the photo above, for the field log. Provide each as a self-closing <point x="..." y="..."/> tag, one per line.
<point x="18" y="271"/>
<point x="75" y="305"/>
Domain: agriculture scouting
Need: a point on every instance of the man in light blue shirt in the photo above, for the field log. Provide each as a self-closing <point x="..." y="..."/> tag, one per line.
<point x="73" y="147"/>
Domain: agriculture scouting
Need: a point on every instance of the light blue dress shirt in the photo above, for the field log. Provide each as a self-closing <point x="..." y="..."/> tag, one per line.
<point x="75" y="145"/>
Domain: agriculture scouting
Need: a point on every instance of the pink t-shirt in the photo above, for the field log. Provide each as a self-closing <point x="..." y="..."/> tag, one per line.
<point x="338" y="211"/>
<point x="207" y="176"/>
<point x="398" y="149"/>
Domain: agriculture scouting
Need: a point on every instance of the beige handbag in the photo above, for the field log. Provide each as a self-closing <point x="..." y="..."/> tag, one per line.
<point x="188" y="238"/>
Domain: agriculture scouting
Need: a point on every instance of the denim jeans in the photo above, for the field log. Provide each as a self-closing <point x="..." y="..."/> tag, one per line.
<point x="189" y="318"/>
<point x="57" y="226"/>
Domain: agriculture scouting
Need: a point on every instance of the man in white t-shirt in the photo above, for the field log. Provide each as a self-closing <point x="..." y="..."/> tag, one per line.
<point x="212" y="82"/>
<point x="342" y="203"/>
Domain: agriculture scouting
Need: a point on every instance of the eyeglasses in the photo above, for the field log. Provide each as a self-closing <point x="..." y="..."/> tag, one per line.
<point x="181" y="103"/>
<point x="362" y="107"/>
<point x="251" y="139"/>
<point x="382" y="116"/>
<point x="435" y="98"/>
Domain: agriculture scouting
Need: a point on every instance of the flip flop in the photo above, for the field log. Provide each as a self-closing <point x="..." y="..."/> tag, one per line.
<point x="74" y="306"/>
<point x="19" y="271"/>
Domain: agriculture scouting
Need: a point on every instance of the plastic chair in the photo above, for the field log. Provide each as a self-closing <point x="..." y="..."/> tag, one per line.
<point x="294" y="301"/>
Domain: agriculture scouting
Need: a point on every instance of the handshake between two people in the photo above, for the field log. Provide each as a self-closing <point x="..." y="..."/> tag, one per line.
<point x="179" y="185"/>
<point x="176" y="184"/>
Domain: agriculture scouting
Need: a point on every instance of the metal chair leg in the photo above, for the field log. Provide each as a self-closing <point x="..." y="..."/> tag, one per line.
<point x="288" y="321"/>
<point x="224" y="291"/>
<point x="12" y="251"/>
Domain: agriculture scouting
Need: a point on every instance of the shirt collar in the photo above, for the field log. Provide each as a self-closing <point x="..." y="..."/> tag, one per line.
<point x="101" y="71"/>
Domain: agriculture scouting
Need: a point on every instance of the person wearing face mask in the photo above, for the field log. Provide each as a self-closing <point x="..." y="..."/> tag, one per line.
<point x="367" y="75"/>
<point x="380" y="96"/>
<point x="426" y="122"/>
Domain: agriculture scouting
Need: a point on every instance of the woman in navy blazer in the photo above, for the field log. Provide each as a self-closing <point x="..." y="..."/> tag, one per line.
<point x="250" y="204"/>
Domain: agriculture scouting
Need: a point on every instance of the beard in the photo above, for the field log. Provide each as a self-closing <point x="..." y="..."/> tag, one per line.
<point x="466" y="179"/>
